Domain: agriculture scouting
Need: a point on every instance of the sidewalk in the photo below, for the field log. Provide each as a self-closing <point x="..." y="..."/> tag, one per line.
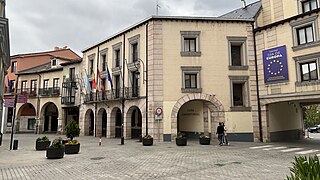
<point x="163" y="160"/>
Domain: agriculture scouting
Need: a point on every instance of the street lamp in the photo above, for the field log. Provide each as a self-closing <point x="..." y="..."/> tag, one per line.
<point x="145" y="79"/>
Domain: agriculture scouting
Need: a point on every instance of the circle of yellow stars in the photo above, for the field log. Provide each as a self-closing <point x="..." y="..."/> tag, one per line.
<point x="275" y="62"/>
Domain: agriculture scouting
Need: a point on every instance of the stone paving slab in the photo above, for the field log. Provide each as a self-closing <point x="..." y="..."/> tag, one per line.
<point x="163" y="160"/>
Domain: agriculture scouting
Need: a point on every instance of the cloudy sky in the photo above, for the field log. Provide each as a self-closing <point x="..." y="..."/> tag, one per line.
<point x="40" y="25"/>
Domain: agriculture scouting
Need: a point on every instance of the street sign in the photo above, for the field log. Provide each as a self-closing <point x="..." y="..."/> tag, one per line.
<point x="8" y="102"/>
<point x="22" y="98"/>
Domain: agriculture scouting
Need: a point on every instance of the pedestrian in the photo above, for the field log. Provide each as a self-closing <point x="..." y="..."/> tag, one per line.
<point x="220" y="132"/>
<point x="225" y="134"/>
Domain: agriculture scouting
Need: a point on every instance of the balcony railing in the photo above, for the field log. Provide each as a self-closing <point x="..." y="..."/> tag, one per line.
<point x="115" y="94"/>
<point x="30" y="92"/>
<point x="68" y="92"/>
<point x="9" y="90"/>
<point x="52" y="91"/>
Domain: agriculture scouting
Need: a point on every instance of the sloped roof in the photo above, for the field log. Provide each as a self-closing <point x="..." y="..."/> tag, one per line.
<point x="40" y="69"/>
<point x="249" y="12"/>
<point x="61" y="52"/>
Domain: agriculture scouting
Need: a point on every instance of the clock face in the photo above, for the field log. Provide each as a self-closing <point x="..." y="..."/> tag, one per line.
<point x="275" y="67"/>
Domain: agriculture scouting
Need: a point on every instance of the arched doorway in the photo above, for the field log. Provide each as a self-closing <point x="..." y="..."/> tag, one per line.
<point x="195" y="114"/>
<point x="26" y="118"/>
<point x="50" y="115"/>
<point x="89" y="123"/>
<point x="102" y="123"/>
<point x="135" y="120"/>
<point x="118" y="123"/>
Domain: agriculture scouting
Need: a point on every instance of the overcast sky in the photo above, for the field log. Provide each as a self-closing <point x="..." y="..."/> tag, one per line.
<point x="40" y="25"/>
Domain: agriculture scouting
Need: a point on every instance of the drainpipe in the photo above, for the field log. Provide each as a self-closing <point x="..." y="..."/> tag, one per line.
<point x="38" y="106"/>
<point x="257" y="83"/>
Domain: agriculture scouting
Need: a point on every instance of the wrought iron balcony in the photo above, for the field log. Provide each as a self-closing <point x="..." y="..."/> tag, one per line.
<point x="68" y="92"/>
<point x="30" y="92"/>
<point x="110" y="95"/>
<point x="52" y="91"/>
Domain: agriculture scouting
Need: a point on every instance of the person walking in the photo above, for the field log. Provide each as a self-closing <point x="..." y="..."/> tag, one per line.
<point x="225" y="134"/>
<point x="220" y="132"/>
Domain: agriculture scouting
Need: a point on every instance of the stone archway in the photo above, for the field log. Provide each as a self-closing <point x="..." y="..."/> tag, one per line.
<point x="89" y="123"/>
<point x="215" y="107"/>
<point x="115" y="122"/>
<point x="26" y="118"/>
<point x="133" y="122"/>
<point x="49" y="117"/>
<point x="102" y="123"/>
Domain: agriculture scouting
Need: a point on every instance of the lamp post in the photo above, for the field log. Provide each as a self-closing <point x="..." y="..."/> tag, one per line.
<point x="145" y="79"/>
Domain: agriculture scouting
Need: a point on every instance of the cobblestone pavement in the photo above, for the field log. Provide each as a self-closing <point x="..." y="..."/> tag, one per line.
<point x="163" y="160"/>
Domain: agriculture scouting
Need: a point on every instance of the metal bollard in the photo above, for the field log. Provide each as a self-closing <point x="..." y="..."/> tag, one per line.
<point x="15" y="144"/>
<point x="1" y="138"/>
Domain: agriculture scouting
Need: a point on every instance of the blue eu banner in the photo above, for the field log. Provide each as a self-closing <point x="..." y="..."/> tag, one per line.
<point x="275" y="65"/>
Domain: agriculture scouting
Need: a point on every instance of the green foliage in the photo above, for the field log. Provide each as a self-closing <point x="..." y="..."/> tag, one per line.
<point x="72" y="129"/>
<point x="181" y="135"/>
<point x="311" y="115"/>
<point x="57" y="143"/>
<point x="204" y="136"/>
<point x="147" y="137"/>
<point x="305" y="168"/>
<point x="42" y="139"/>
<point x="73" y="142"/>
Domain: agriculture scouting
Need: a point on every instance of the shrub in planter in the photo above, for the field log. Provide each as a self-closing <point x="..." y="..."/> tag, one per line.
<point x="56" y="149"/>
<point x="72" y="147"/>
<point x="42" y="143"/>
<point x="147" y="140"/>
<point x="181" y="139"/>
<point x="204" y="139"/>
<point x="72" y="129"/>
<point x="305" y="168"/>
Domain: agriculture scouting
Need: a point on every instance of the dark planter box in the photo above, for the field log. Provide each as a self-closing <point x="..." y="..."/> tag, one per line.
<point x="42" y="145"/>
<point x="204" y="141"/>
<point x="64" y="141"/>
<point x="181" y="141"/>
<point x="72" y="148"/>
<point x="55" y="153"/>
<point x="147" y="142"/>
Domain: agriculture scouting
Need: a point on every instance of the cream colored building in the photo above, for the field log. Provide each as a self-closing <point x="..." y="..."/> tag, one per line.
<point x="51" y="96"/>
<point x="291" y="27"/>
<point x="198" y="74"/>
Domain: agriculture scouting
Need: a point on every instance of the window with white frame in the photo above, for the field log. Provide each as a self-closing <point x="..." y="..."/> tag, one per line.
<point x="54" y="62"/>
<point x="309" y="5"/>
<point x="91" y="63"/>
<point x="191" y="79"/>
<point x="134" y="48"/>
<point x="237" y="53"/>
<point x="24" y="86"/>
<point x="14" y="66"/>
<point x="116" y="55"/>
<point x="190" y="43"/>
<point x="103" y="59"/>
<point x="33" y="86"/>
<point x="239" y="93"/>
<point x="46" y="84"/>
<point x="307" y="68"/>
<point x="305" y="33"/>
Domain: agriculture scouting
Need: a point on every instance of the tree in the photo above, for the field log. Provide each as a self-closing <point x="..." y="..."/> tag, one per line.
<point x="72" y="129"/>
<point x="311" y="115"/>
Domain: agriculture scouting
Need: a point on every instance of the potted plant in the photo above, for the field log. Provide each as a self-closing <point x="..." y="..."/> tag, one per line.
<point x="42" y="143"/>
<point x="56" y="149"/>
<point x="147" y="140"/>
<point x="72" y="130"/>
<point x="204" y="139"/>
<point x="72" y="147"/>
<point x="181" y="139"/>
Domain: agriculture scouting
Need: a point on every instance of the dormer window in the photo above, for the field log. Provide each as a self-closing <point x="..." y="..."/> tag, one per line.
<point x="54" y="62"/>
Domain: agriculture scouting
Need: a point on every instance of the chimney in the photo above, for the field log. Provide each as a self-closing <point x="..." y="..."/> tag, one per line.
<point x="56" y="48"/>
<point x="244" y="5"/>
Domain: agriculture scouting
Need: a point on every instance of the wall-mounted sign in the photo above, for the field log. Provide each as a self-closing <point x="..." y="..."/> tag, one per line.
<point x="275" y="65"/>
<point x="158" y="111"/>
